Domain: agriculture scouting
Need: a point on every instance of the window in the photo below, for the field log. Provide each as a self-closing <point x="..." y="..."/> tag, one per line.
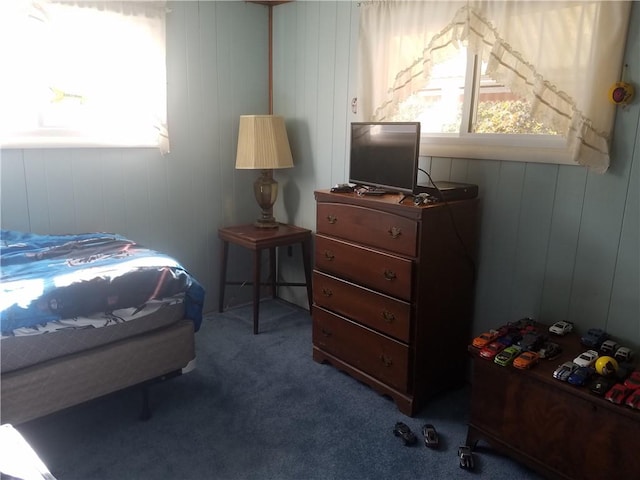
<point x="80" y="73"/>
<point x="461" y="108"/>
<point x="446" y="102"/>
<point x="496" y="80"/>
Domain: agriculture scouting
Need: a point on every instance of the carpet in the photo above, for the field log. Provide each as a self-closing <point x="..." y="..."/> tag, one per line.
<point x="258" y="407"/>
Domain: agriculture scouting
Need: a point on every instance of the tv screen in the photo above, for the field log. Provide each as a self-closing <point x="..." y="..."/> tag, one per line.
<point x="385" y="155"/>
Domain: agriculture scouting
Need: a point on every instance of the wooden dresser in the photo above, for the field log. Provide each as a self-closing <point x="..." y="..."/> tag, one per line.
<point x="393" y="292"/>
<point x="560" y="430"/>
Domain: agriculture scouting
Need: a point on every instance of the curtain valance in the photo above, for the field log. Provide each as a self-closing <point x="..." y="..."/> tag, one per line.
<point x="561" y="56"/>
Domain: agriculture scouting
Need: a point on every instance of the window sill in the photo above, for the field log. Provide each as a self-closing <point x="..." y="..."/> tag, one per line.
<point x="546" y="150"/>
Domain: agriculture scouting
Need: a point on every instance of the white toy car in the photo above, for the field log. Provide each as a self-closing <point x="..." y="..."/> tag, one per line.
<point x="563" y="371"/>
<point x="561" y="328"/>
<point x="586" y="359"/>
<point x="609" y="347"/>
<point x="624" y="354"/>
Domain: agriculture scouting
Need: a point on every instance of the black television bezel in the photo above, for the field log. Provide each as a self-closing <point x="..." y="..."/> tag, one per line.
<point x="392" y="188"/>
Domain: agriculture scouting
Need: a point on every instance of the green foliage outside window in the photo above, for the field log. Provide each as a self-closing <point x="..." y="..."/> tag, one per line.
<point x="508" y="116"/>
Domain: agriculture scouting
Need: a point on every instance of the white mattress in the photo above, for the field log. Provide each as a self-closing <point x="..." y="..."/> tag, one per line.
<point x="76" y="335"/>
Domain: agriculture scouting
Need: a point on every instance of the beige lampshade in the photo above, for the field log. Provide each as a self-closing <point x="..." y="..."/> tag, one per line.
<point x="263" y="143"/>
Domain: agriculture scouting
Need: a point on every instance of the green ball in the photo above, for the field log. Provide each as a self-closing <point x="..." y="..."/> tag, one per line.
<point x="606" y="366"/>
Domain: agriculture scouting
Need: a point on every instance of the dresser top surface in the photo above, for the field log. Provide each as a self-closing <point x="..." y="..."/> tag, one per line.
<point x="397" y="203"/>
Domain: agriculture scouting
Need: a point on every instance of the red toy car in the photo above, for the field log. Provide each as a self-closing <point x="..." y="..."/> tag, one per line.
<point x="618" y="393"/>
<point x="633" y="381"/>
<point x="633" y="400"/>
<point x="491" y="350"/>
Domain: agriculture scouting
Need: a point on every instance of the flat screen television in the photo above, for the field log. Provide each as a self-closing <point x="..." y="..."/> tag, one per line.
<point x="384" y="155"/>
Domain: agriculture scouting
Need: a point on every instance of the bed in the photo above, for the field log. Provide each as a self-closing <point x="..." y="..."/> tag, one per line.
<point x="85" y="315"/>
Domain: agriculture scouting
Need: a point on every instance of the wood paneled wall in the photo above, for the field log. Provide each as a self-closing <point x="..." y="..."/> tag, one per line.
<point x="216" y="71"/>
<point x="557" y="242"/>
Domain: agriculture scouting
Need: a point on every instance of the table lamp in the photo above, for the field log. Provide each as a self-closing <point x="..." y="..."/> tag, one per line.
<point x="263" y="145"/>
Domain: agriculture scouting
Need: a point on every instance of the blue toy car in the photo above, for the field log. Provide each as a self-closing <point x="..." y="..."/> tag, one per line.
<point x="580" y="376"/>
<point x="594" y="338"/>
<point x="510" y="338"/>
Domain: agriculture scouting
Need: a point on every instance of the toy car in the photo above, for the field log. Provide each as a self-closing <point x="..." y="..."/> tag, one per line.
<point x="506" y="329"/>
<point x="466" y="457"/>
<point x="617" y="394"/>
<point x="532" y="341"/>
<point x="609" y="347"/>
<point x="633" y="400"/>
<point x="563" y="371"/>
<point x="586" y="359"/>
<point x="550" y="350"/>
<point x="601" y="385"/>
<point x="430" y="436"/>
<point x="491" y="350"/>
<point x="526" y="323"/>
<point x="580" y="376"/>
<point x="561" y="328"/>
<point x="403" y="431"/>
<point x="526" y="360"/>
<point x="623" y="354"/>
<point x="594" y="338"/>
<point x="510" y="338"/>
<point x="623" y="371"/>
<point x="506" y="356"/>
<point x="633" y="380"/>
<point x="485" y="338"/>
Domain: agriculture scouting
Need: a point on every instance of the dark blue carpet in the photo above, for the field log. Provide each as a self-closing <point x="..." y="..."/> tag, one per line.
<point x="258" y="407"/>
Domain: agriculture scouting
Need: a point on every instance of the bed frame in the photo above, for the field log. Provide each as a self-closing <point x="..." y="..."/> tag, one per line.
<point x="58" y="383"/>
<point x="109" y="314"/>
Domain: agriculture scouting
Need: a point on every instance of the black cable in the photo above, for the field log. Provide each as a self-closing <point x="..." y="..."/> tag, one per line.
<point x="472" y="263"/>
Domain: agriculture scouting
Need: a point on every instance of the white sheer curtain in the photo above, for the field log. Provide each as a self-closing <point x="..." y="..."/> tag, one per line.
<point x="83" y="73"/>
<point x="561" y="56"/>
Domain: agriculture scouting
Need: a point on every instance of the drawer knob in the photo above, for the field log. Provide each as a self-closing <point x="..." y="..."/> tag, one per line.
<point x="386" y="361"/>
<point x="388" y="316"/>
<point x="395" y="232"/>
<point x="327" y="292"/>
<point x="328" y="255"/>
<point x="332" y="219"/>
<point x="389" y="275"/>
<point x="325" y="332"/>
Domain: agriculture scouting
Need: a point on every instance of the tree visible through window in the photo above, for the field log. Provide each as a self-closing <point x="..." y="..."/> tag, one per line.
<point x="440" y="103"/>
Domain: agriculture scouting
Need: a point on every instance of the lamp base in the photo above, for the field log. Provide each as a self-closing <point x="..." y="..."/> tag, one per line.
<point x="265" y="189"/>
<point x="262" y="223"/>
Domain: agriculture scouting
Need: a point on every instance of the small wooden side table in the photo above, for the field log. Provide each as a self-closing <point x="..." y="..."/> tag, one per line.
<point x="257" y="239"/>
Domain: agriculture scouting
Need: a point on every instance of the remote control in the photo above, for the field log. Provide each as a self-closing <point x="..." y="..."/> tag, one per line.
<point x="342" y="188"/>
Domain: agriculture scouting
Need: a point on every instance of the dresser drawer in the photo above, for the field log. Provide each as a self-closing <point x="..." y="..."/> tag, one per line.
<point x="368" y="227"/>
<point x="382" y="272"/>
<point x="375" y="354"/>
<point x="372" y="309"/>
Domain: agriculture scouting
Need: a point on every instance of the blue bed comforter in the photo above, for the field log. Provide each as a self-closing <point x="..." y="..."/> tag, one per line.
<point x="52" y="277"/>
